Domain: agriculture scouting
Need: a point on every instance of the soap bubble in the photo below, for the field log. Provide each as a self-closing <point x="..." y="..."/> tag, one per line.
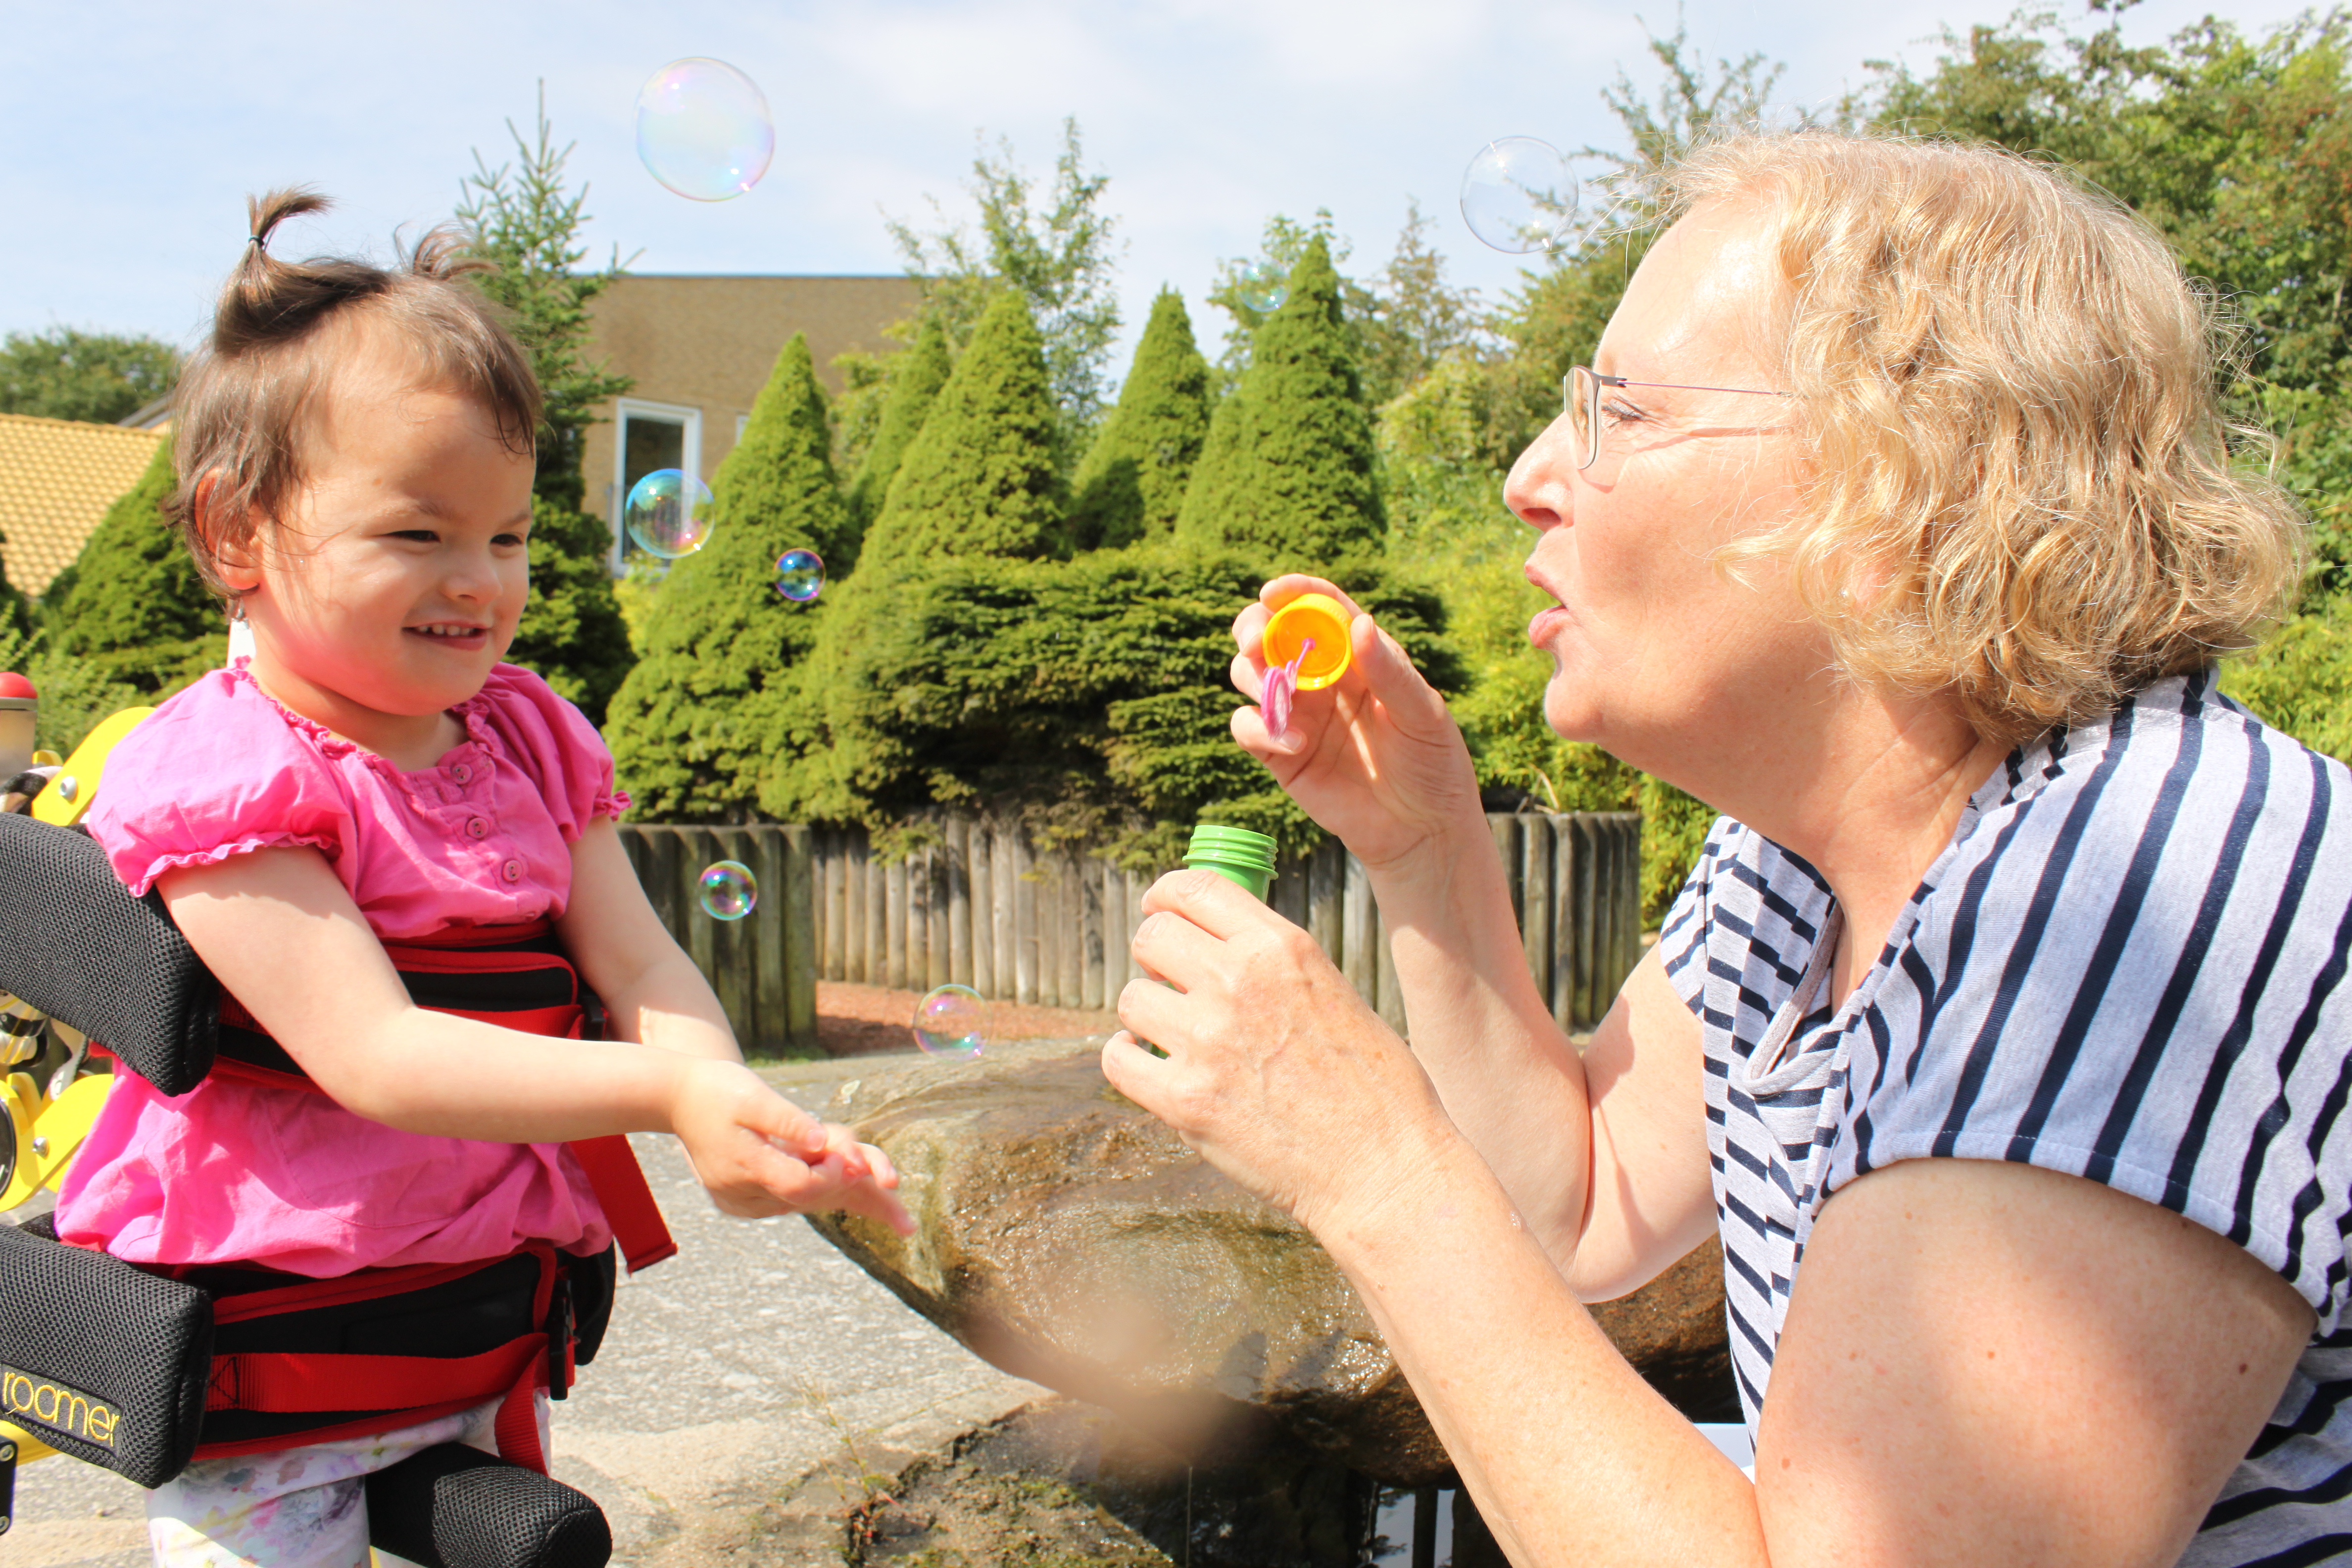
<point x="730" y="892"/>
<point x="800" y="576"/>
<point x="951" y="1023"/>
<point x="703" y="128"/>
<point x="668" y="513"/>
<point x="1517" y="195"/>
<point x="1262" y="286"/>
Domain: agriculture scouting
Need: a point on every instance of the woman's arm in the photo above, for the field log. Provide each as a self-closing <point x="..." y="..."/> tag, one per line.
<point x="281" y="933"/>
<point x="1986" y="1364"/>
<point x="1603" y="1154"/>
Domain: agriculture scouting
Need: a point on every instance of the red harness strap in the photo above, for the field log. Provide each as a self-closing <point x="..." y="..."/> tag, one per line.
<point x="516" y="977"/>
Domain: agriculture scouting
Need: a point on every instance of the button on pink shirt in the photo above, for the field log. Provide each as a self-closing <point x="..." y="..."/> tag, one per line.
<point x="236" y="1172"/>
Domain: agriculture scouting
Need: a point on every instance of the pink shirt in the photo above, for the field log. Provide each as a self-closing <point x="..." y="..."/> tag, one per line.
<point x="234" y="1172"/>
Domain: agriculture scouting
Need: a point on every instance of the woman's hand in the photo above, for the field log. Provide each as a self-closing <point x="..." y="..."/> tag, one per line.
<point x="1374" y="758"/>
<point x="757" y="1154"/>
<point x="1276" y="1072"/>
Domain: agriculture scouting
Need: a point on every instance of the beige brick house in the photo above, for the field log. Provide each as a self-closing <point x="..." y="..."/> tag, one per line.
<point x="701" y="348"/>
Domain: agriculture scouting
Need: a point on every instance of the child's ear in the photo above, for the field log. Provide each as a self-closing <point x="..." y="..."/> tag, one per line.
<point x="235" y="560"/>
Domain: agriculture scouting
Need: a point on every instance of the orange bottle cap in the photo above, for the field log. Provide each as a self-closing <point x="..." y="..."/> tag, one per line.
<point x="1319" y="619"/>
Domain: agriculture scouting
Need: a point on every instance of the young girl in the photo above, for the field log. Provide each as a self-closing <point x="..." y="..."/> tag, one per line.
<point x="356" y="450"/>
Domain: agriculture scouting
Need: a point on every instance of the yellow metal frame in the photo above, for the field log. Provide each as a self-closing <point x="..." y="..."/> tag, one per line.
<point x="69" y="795"/>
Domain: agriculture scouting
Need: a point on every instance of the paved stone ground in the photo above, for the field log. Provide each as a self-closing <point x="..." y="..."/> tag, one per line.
<point x="752" y="1392"/>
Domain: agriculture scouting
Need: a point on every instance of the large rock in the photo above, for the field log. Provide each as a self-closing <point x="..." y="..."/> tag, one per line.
<point x="1069" y="1237"/>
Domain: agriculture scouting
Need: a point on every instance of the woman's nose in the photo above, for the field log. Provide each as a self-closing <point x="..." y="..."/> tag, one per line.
<point x="1537" y="490"/>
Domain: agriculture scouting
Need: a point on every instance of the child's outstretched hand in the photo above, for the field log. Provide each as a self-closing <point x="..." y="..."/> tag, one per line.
<point x="759" y="1154"/>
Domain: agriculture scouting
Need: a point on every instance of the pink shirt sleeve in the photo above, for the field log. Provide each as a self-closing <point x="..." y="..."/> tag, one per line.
<point x="212" y="773"/>
<point x="551" y="742"/>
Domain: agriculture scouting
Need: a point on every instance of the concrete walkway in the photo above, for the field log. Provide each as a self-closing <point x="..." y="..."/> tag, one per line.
<point x="751" y="1390"/>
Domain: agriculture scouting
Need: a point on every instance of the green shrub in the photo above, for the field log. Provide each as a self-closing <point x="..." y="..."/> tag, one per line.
<point x="691" y="727"/>
<point x="913" y="382"/>
<point x="1287" y="474"/>
<point x="1133" y="480"/>
<point x="135" y="605"/>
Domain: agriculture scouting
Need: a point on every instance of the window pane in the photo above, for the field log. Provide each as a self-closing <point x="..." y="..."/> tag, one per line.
<point x="649" y="443"/>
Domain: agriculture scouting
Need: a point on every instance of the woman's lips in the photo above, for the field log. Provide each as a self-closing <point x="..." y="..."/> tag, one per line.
<point x="1546" y="623"/>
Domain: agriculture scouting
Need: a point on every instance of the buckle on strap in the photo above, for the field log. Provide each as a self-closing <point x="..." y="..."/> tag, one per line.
<point x="558" y="1339"/>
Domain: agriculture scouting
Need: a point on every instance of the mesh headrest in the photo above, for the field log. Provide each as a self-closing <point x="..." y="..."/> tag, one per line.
<point x="76" y="944"/>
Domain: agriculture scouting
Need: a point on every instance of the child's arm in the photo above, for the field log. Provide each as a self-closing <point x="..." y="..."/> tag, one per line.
<point x="283" y="935"/>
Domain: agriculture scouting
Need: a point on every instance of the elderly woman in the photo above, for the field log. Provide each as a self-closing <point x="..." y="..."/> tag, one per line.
<point x="2002" y="1031"/>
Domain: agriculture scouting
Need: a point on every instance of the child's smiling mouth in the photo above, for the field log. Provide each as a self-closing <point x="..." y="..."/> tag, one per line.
<point x="451" y="634"/>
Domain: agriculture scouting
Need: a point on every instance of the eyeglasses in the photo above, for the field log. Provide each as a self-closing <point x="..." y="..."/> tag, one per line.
<point x="1579" y="396"/>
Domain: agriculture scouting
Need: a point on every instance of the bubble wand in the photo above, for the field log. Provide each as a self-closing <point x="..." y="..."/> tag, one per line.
<point x="1305" y="647"/>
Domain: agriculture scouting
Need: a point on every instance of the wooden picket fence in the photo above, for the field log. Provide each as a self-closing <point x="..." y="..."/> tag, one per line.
<point x="984" y="907"/>
<point x="764" y="966"/>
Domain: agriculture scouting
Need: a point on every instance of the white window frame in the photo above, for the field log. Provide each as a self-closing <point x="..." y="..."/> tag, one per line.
<point x="691" y="455"/>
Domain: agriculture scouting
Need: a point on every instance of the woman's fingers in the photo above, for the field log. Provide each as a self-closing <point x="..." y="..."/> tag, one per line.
<point x="1205" y="900"/>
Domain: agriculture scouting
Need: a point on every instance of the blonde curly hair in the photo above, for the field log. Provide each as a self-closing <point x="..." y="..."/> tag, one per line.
<point x="2020" y="487"/>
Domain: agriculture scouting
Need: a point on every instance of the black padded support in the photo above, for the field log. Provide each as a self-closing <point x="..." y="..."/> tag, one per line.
<point x="455" y="1507"/>
<point x="100" y="1359"/>
<point x="66" y="922"/>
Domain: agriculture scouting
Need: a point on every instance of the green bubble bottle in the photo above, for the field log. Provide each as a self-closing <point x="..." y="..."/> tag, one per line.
<point x="1241" y="857"/>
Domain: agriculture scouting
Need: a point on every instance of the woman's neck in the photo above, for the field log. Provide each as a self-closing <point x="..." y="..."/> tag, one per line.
<point x="1868" y="792"/>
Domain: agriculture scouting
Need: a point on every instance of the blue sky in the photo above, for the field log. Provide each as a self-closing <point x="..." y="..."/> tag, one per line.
<point x="141" y="127"/>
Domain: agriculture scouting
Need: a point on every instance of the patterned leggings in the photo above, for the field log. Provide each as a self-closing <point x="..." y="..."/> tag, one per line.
<point x="299" y="1508"/>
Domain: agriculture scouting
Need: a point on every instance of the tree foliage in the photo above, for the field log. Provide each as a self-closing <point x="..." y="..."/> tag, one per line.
<point x="1060" y="259"/>
<point x="1286" y="476"/>
<point x="524" y="220"/>
<point x="99" y="377"/>
<point x="979" y="478"/>
<point x="691" y="726"/>
<point x="910" y="385"/>
<point x="132" y="603"/>
<point x="1133" y="480"/>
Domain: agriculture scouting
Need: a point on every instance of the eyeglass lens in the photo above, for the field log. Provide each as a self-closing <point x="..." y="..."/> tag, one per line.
<point x="1581" y="390"/>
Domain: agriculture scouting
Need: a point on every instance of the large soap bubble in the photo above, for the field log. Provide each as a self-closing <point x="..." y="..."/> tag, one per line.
<point x="1519" y="196"/>
<point x="1262" y="286"/>
<point x="952" y="1023"/>
<point x="703" y="128"/>
<point x="668" y="513"/>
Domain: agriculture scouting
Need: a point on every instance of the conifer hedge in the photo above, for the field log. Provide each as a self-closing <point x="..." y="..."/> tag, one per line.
<point x="915" y="379"/>
<point x="691" y="727"/>
<point x="979" y="479"/>
<point x="1133" y="480"/>
<point x="1287" y="475"/>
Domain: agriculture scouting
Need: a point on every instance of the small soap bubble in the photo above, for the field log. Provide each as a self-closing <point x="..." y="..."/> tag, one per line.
<point x="952" y="1023"/>
<point x="800" y="576"/>
<point x="1519" y="196"/>
<point x="730" y="892"/>
<point x="703" y="128"/>
<point x="1262" y="286"/>
<point x="668" y="513"/>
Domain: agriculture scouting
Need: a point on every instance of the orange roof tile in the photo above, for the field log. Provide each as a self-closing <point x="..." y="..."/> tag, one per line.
<point x="57" y="477"/>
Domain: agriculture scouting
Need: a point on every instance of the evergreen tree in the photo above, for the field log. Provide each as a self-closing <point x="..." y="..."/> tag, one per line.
<point x="1132" y="483"/>
<point x="916" y="377"/>
<point x="101" y="377"/>
<point x="1287" y="474"/>
<point x="979" y="479"/>
<point x="526" y="222"/>
<point x="134" y="605"/>
<point x="688" y="725"/>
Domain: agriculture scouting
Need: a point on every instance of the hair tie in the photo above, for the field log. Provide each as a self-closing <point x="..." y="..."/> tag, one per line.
<point x="254" y="239"/>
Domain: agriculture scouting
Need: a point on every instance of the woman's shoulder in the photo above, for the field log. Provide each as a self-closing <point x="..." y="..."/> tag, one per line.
<point x="2181" y="789"/>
